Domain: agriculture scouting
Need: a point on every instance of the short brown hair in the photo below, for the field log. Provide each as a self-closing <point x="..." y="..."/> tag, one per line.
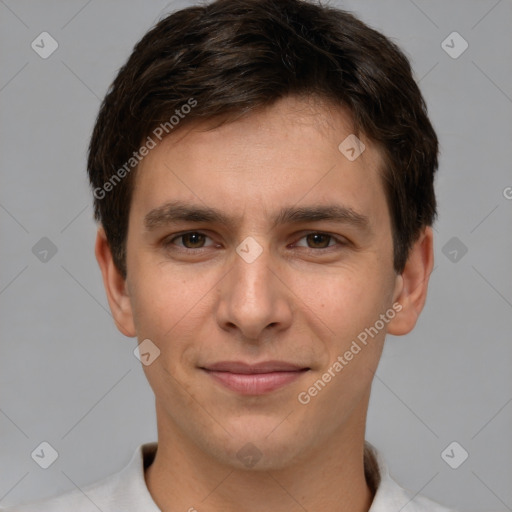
<point x="230" y="57"/>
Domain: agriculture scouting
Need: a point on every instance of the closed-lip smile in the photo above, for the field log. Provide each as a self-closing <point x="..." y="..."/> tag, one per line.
<point x="254" y="379"/>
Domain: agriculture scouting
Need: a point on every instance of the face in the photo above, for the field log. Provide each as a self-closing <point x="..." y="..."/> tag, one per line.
<point x="257" y="255"/>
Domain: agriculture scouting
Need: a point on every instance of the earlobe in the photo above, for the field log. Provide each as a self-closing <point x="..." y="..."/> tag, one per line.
<point x="412" y="284"/>
<point x="115" y="286"/>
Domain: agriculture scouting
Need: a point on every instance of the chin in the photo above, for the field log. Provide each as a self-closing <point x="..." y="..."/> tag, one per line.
<point x="258" y="445"/>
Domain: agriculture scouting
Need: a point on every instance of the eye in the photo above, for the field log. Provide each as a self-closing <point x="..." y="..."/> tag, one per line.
<point x="190" y="240"/>
<point x="195" y="241"/>
<point x="319" y="240"/>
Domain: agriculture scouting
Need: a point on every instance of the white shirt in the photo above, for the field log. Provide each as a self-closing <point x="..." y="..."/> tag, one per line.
<point x="126" y="491"/>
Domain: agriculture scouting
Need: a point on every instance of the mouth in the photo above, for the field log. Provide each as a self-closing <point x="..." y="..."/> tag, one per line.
<point x="254" y="379"/>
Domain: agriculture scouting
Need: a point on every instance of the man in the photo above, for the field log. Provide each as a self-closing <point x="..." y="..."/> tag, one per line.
<point x="263" y="180"/>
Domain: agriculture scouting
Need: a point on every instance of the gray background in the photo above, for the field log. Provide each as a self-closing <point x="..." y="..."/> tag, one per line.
<point x="69" y="378"/>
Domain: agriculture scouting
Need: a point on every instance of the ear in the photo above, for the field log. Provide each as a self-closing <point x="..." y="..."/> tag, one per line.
<point x="115" y="286"/>
<point x="412" y="284"/>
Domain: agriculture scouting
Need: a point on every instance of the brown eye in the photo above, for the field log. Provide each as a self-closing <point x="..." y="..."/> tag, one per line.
<point x="189" y="241"/>
<point x="193" y="240"/>
<point x="318" y="240"/>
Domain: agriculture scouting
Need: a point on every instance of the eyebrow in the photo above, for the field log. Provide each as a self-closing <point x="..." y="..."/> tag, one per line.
<point x="178" y="211"/>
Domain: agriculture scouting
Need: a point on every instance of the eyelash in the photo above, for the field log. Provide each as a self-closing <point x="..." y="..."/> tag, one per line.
<point x="168" y="243"/>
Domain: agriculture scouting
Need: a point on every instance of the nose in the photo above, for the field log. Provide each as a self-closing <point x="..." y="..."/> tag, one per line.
<point x="254" y="298"/>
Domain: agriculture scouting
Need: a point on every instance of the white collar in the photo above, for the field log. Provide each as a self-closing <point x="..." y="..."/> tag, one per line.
<point x="127" y="490"/>
<point x="389" y="495"/>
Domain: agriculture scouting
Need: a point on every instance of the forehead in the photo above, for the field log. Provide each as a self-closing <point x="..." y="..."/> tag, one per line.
<point x="294" y="152"/>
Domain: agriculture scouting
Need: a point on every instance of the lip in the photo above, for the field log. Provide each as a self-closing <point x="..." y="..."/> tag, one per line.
<point x="247" y="368"/>
<point x="254" y="379"/>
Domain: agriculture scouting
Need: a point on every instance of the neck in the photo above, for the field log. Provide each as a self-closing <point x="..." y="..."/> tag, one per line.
<point x="338" y="477"/>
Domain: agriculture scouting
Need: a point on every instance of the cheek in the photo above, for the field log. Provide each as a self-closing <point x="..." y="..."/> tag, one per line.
<point x="348" y="316"/>
<point x="345" y="315"/>
<point x="171" y="311"/>
<point x="345" y="302"/>
<point x="157" y="305"/>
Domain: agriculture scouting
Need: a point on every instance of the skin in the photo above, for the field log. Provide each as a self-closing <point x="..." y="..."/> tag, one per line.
<point x="303" y="300"/>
